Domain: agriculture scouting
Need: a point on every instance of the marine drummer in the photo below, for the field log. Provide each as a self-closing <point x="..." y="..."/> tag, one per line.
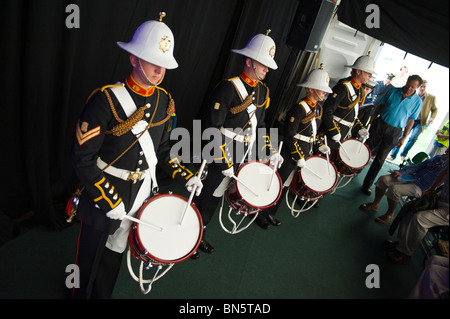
<point x="121" y="135"/>
<point x="340" y="110"/>
<point x="300" y="135"/>
<point x="237" y="108"/>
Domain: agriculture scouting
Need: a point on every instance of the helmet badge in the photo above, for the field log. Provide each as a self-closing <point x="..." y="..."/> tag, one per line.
<point x="164" y="44"/>
<point x="272" y="49"/>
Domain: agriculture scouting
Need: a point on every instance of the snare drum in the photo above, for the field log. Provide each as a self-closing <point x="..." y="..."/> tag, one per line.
<point x="256" y="176"/>
<point x="352" y="157"/>
<point x="177" y="241"/>
<point x="311" y="186"/>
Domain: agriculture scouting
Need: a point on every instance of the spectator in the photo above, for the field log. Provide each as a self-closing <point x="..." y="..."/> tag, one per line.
<point x="397" y="109"/>
<point x="382" y="88"/>
<point x="401" y="79"/>
<point x="433" y="282"/>
<point x="426" y="117"/>
<point x="414" y="226"/>
<point x="409" y="181"/>
<point x="441" y="141"/>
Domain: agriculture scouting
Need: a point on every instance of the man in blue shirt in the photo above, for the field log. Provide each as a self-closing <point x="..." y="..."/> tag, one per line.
<point x="397" y="111"/>
<point x="408" y="181"/>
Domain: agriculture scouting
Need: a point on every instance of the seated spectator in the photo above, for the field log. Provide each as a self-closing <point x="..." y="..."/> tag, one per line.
<point x="414" y="226"/>
<point x="433" y="282"/>
<point x="408" y="181"/>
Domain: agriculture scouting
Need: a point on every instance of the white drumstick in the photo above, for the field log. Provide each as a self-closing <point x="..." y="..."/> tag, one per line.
<point x="276" y="166"/>
<point x="328" y="157"/>
<point x="194" y="188"/>
<point x="243" y="184"/>
<point x="364" y="140"/>
<point x="314" y="173"/>
<point x="345" y="151"/>
<point x="143" y="223"/>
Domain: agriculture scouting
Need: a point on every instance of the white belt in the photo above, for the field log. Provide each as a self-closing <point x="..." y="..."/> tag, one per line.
<point x="122" y="173"/>
<point x="343" y="122"/>
<point x="237" y="137"/>
<point x="304" y="138"/>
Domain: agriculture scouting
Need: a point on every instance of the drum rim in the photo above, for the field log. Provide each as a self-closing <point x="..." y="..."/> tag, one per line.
<point x="135" y="230"/>
<point x="316" y="191"/>
<point x="351" y="167"/>
<point x="242" y="197"/>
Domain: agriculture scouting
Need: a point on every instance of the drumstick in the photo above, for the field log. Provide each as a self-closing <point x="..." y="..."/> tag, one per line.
<point x="246" y="186"/>
<point x="343" y="148"/>
<point x="194" y="188"/>
<point x="328" y="157"/>
<point x="143" y="223"/>
<point x="364" y="140"/>
<point x="276" y="166"/>
<point x="314" y="173"/>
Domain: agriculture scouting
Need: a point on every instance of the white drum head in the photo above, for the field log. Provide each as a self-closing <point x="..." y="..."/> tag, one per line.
<point x="323" y="181"/>
<point x="256" y="176"/>
<point x="357" y="151"/>
<point x="175" y="241"/>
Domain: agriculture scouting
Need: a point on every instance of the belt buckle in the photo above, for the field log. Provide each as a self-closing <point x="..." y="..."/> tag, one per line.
<point x="135" y="176"/>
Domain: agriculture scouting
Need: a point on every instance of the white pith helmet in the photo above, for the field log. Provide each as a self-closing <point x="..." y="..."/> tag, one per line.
<point x="317" y="79"/>
<point x="364" y="63"/>
<point x="153" y="42"/>
<point x="260" y="48"/>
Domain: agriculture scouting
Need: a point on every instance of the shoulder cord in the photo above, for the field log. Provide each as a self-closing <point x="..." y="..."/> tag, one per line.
<point x="248" y="100"/>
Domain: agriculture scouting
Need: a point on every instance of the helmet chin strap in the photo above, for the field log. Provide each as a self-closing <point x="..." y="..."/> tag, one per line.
<point x="256" y="72"/>
<point x="363" y="78"/>
<point x="144" y="76"/>
<point x="317" y="95"/>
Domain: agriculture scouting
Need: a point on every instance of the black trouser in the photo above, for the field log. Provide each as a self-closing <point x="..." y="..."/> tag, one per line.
<point x="206" y="202"/>
<point x="384" y="137"/>
<point x="98" y="266"/>
<point x="284" y="171"/>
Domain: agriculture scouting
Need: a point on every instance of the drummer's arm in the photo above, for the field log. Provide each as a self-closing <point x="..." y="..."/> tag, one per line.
<point x="292" y="122"/>
<point x="329" y="107"/>
<point x="218" y="111"/>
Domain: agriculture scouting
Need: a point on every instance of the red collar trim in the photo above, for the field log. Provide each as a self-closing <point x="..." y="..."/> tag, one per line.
<point x="135" y="87"/>
<point x="248" y="80"/>
<point x="310" y="102"/>
<point x="355" y="84"/>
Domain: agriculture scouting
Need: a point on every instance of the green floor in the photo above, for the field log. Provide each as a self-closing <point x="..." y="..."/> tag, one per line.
<point x="322" y="254"/>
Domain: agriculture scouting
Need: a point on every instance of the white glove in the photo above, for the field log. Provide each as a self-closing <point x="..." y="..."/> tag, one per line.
<point x="301" y="162"/>
<point x="117" y="212"/>
<point x="336" y="137"/>
<point x="273" y="159"/>
<point x="192" y="182"/>
<point x="228" y="172"/>
<point x="363" y="133"/>
<point x="324" y="149"/>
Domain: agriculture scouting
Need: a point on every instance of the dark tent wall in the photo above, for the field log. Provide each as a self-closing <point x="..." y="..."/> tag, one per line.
<point x="415" y="26"/>
<point x="48" y="71"/>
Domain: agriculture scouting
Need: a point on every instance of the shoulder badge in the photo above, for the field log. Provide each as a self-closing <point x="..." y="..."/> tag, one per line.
<point x="83" y="135"/>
